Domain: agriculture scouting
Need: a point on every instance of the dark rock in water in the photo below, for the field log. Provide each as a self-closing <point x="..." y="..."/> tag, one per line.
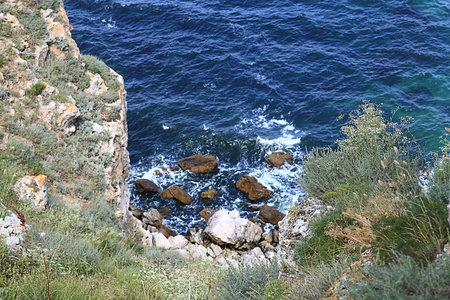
<point x="180" y="195"/>
<point x="136" y="212"/>
<point x="166" y="194"/>
<point x="166" y="231"/>
<point x="173" y="169"/>
<point x="207" y="213"/>
<point x="152" y="217"/>
<point x="165" y="211"/>
<point x="254" y="208"/>
<point x="145" y="186"/>
<point x="198" y="163"/>
<point x="209" y="194"/>
<point x="277" y="159"/>
<point x="255" y="191"/>
<point x="270" y="215"/>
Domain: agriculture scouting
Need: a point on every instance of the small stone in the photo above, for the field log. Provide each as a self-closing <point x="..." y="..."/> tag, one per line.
<point x="152" y="217"/>
<point x="178" y="241"/>
<point x="197" y="252"/>
<point x="253" y="208"/>
<point x="166" y="231"/>
<point x="160" y="241"/>
<point x="216" y="249"/>
<point x="195" y="235"/>
<point x="209" y="194"/>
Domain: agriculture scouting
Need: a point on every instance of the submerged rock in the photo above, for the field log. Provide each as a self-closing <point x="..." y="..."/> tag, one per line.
<point x="199" y="163"/>
<point x="255" y="191"/>
<point x="277" y="159"/>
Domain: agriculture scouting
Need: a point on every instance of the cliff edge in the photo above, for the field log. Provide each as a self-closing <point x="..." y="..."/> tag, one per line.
<point x="62" y="111"/>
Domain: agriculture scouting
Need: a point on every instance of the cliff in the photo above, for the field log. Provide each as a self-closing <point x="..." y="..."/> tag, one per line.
<point x="64" y="111"/>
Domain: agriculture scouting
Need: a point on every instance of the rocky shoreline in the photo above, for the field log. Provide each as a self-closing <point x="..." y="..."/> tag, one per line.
<point x="226" y="235"/>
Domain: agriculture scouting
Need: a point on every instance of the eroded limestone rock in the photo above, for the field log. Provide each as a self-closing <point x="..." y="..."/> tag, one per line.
<point x="33" y="189"/>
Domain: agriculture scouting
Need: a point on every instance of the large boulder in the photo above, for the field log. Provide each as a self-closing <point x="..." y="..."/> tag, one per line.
<point x="145" y="186"/>
<point x="277" y="159"/>
<point x="270" y="215"/>
<point x="180" y="195"/>
<point x="255" y="191"/>
<point x="228" y="228"/>
<point x="33" y="189"/>
<point x="198" y="163"/>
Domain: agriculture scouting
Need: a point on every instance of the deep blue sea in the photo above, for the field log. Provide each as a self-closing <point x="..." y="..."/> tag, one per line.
<point x="242" y="79"/>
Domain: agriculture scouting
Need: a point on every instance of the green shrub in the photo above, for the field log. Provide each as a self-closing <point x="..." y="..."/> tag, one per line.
<point x="96" y="66"/>
<point x="3" y="94"/>
<point x="405" y="279"/>
<point x="319" y="246"/>
<point x="420" y="232"/>
<point x="12" y="265"/>
<point x="374" y="151"/>
<point x="245" y="281"/>
<point x="36" y="89"/>
<point x="109" y="96"/>
<point x="59" y="72"/>
<point x="276" y="290"/>
<point x="314" y="281"/>
<point x="5" y="31"/>
<point x="33" y="23"/>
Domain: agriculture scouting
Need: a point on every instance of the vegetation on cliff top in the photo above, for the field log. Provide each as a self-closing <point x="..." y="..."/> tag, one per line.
<point x="389" y="196"/>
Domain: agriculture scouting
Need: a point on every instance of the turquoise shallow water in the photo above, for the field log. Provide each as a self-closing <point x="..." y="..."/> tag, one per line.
<point x="241" y="79"/>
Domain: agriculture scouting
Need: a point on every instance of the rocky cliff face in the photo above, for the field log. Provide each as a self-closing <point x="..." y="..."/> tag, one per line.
<point x="64" y="110"/>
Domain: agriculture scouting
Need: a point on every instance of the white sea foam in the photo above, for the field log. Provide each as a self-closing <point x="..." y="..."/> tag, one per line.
<point x="109" y="23"/>
<point x="286" y="140"/>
